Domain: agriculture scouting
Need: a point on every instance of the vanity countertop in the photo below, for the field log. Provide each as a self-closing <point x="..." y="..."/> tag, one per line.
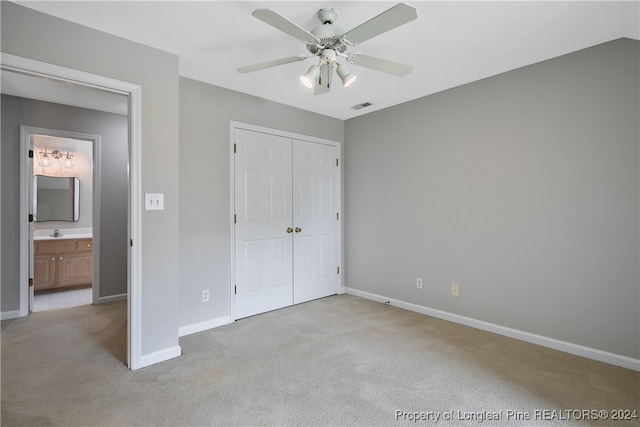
<point x="64" y="236"/>
<point x="68" y="233"/>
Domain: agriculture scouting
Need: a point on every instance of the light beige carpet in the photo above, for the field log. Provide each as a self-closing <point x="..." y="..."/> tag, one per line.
<point x="336" y="361"/>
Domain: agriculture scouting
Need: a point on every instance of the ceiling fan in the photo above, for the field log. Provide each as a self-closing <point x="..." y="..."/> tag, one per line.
<point x="330" y="44"/>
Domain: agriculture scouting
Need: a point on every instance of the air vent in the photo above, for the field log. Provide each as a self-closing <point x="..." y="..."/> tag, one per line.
<point x="361" y="106"/>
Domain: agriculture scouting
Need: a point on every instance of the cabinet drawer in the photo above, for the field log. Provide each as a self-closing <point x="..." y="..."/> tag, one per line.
<point x="84" y="245"/>
<point x="54" y="246"/>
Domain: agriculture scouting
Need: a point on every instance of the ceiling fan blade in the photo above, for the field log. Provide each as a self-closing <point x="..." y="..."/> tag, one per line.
<point x="398" y="15"/>
<point x="269" y="64"/>
<point x="278" y="21"/>
<point x="379" y="64"/>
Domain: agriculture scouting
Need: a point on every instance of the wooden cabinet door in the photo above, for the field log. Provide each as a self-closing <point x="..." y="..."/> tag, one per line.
<point x="44" y="272"/>
<point x="75" y="269"/>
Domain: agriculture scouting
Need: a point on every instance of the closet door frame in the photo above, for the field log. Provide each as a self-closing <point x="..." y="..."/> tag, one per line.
<point x="233" y="125"/>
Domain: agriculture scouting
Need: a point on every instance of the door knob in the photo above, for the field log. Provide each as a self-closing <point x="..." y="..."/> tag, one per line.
<point x="298" y="229"/>
<point x="289" y="230"/>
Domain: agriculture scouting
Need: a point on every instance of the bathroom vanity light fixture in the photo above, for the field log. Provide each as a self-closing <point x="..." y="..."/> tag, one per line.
<point x="65" y="160"/>
<point x="45" y="159"/>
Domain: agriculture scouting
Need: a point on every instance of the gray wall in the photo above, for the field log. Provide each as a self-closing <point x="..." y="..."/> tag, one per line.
<point x="113" y="129"/>
<point x="205" y="112"/>
<point x="44" y="38"/>
<point x="522" y="188"/>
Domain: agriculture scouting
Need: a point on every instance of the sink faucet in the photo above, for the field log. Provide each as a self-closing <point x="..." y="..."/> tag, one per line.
<point x="56" y="233"/>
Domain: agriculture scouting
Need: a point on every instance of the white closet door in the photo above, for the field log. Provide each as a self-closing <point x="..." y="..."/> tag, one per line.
<point x="316" y="244"/>
<point x="263" y="263"/>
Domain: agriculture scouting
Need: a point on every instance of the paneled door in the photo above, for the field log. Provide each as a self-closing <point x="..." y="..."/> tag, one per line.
<point x="286" y="222"/>
<point x="316" y="245"/>
<point x="263" y="271"/>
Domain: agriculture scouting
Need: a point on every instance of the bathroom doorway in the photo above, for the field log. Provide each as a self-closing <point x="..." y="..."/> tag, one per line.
<point x="88" y="246"/>
<point x="64" y="270"/>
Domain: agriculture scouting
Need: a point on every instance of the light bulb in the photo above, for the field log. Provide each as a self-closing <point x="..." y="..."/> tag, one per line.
<point x="68" y="161"/>
<point x="348" y="80"/>
<point x="345" y="75"/>
<point x="45" y="159"/>
<point x="306" y="81"/>
<point x="309" y="78"/>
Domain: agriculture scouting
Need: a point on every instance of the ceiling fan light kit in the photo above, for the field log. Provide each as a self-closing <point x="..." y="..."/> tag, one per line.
<point x="329" y="43"/>
<point x="345" y="74"/>
<point x="308" y="79"/>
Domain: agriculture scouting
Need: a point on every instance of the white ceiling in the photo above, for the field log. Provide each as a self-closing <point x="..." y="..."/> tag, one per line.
<point x="450" y="44"/>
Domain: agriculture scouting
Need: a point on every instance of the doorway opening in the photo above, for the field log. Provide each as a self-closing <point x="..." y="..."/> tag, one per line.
<point x="63" y="194"/>
<point x="69" y="78"/>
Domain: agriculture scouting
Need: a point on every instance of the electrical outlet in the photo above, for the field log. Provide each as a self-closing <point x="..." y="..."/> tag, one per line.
<point x="419" y="283"/>
<point x="455" y="289"/>
<point x="205" y="295"/>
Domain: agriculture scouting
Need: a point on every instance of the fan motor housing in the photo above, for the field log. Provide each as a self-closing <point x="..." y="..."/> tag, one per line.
<point x="329" y="36"/>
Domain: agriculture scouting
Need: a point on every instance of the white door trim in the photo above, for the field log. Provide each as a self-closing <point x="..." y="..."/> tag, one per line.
<point x="134" y="92"/>
<point x="233" y="125"/>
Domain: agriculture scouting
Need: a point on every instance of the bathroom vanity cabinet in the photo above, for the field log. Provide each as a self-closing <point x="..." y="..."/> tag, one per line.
<point x="62" y="264"/>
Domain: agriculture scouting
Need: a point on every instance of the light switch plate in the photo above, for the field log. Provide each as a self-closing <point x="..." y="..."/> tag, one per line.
<point x="154" y="201"/>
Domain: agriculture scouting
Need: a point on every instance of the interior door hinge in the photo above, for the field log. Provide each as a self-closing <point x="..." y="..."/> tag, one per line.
<point x="338" y="216"/>
<point x="131" y="242"/>
<point x="234" y="148"/>
<point x="30" y="217"/>
<point x="234" y="218"/>
<point x="30" y="281"/>
<point x="31" y="154"/>
<point x="337" y="162"/>
<point x="235" y="290"/>
<point x="338" y="269"/>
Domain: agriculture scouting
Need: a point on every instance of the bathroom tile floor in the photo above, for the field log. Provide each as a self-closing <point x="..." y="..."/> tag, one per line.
<point x="56" y="300"/>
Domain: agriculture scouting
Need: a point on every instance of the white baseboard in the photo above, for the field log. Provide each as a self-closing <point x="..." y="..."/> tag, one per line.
<point x="13" y="314"/>
<point x="112" y="298"/>
<point x="203" y="326"/>
<point x="578" y="350"/>
<point x="159" y="356"/>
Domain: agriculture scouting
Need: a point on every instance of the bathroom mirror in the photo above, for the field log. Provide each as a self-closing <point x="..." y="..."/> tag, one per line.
<point x="56" y="198"/>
